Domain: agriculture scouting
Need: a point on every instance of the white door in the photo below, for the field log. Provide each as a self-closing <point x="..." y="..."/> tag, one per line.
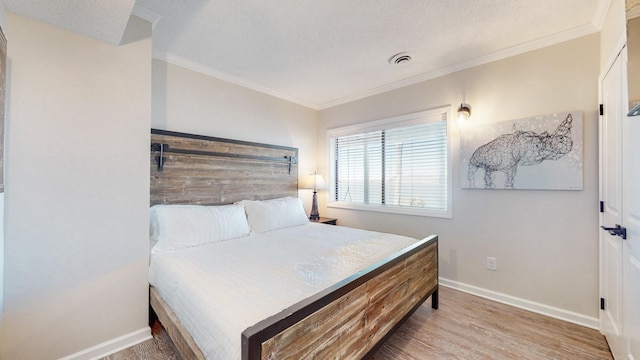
<point x="631" y="221"/>
<point x="611" y="275"/>
<point x="611" y="197"/>
<point x="620" y="193"/>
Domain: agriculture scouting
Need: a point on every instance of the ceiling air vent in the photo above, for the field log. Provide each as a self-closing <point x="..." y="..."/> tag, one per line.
<point x="402" y="58"/>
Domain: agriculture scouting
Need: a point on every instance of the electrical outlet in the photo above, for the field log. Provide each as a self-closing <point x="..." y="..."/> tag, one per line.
<point x="491" y="263"/>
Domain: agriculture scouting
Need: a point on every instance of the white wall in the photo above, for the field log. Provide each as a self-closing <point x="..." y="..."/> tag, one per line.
<point x="545" y="242"/>
<point x="77" y="191"/>
<point x="188" y="101"/>
<point x="613" y="34"/>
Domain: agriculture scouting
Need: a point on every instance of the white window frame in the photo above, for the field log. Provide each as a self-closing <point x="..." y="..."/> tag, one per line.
<point x="430" y="115"/>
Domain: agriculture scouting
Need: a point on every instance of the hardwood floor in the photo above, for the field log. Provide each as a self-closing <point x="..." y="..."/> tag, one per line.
<point x="470" y="327"/>
<point x="464" y="327"/>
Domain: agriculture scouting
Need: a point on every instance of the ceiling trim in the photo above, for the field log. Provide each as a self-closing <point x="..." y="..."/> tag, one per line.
<point x="601" y="13"/>
<point x="205" y="70"/>
<point x="146" y="14"/>
<point x="499" y="55"/>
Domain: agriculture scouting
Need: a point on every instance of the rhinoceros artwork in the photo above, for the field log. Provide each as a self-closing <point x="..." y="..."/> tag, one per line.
<point x="544" y="152"/>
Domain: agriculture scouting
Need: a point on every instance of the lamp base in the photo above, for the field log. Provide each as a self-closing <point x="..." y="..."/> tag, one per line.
<point x="314" y="215"/>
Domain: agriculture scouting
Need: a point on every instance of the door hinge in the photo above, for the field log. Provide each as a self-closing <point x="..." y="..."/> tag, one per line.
<point x="601" y="303"/>
<point x="601" y="109"/>
<point x="601" y="206"/>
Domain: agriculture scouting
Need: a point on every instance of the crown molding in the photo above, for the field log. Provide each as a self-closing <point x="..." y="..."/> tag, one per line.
<point x="498" y="55"/>
<point x="146" y="14"/>
<point x="602" y="8"/>
<point x="633" y="13"/>
<point x="205" y="70"/>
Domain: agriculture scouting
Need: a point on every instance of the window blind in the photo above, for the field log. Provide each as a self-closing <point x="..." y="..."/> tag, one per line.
<point x="399" y="166"/>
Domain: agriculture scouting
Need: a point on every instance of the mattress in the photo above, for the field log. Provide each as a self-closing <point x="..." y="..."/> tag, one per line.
<point x="218" y="290"/>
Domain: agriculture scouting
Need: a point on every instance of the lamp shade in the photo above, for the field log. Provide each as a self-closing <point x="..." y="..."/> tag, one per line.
<point x="313" y="181"/>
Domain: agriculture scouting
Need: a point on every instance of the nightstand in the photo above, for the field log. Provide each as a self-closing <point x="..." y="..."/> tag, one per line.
<point x="325" y="220"/>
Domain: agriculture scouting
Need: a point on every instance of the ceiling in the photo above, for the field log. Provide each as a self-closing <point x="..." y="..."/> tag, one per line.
<point x="323" y="53"/>
<point x="104" y="20"/>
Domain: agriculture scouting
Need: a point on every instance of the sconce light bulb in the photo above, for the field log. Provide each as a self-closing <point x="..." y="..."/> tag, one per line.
<point x="464" y="112"/>
<point x="462" y="119"/>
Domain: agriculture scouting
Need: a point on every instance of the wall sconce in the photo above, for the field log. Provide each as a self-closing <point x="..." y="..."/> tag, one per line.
<point x="316" y="182"/>
<point x="464" y="112"/>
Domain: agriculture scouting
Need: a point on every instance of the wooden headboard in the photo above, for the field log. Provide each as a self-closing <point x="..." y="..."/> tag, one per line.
<point x="196" y="169"/>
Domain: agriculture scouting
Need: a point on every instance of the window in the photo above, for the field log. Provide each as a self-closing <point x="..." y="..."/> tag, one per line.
<point x="398" y="165"/>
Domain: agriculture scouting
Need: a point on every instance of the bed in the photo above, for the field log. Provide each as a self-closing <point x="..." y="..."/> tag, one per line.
<point x="325" y="314"/>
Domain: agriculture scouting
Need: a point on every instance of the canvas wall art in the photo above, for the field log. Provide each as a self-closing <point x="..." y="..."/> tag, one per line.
<point x="542" y="153"/>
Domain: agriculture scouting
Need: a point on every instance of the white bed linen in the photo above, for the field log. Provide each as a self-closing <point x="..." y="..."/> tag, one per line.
<point x="218" y="290"/>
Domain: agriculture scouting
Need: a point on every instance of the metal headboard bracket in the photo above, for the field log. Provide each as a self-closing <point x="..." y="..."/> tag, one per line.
<point x="160" y="159"/>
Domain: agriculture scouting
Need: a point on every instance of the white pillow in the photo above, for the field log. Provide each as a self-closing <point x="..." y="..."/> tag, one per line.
<point x="175" y="227"/>
<point x="274" y="214"/>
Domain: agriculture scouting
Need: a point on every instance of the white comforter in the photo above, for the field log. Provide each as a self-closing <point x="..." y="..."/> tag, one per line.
<point x="219" y="290"/>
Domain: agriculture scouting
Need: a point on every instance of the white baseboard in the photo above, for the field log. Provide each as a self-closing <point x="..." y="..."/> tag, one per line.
<point x="112" y="346"/>
<point x="569" y="316"/>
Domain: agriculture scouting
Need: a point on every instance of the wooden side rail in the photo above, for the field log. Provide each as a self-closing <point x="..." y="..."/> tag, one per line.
<point x="351" y="318"/>
<point x="181" y="338"/>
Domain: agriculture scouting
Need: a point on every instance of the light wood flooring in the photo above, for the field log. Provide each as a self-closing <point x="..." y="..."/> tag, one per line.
<point x="464" y="327"/>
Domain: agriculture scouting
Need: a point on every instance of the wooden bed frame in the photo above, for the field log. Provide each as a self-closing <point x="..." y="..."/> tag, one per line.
<point x="348" y="320"/>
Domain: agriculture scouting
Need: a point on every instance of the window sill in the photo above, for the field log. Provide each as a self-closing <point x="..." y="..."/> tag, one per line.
<point x="391" y="209"/>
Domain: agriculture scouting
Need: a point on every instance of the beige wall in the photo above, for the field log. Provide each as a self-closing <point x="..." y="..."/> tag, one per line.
<point x="545" y="242"/>
<point x="187" y="101"/>
<point x="612" y="35"/>
<point x="77" y="176"/>
<point x="77" y="190"/>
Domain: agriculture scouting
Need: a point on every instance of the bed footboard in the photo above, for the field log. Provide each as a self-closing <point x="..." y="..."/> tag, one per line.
<point x="350" y="319"/>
